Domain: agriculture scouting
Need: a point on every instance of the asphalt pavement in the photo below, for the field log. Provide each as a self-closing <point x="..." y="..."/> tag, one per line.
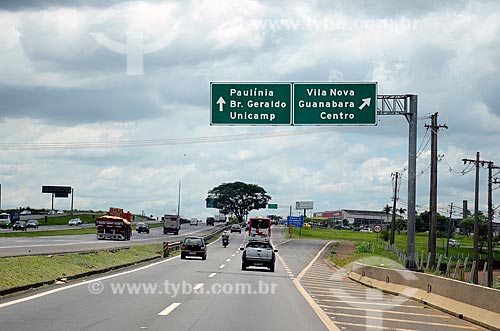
<point x="175" y="294"/>
<point x="88" y="242"/>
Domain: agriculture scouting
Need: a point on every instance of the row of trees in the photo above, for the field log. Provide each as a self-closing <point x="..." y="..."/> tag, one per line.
<point x="466" y="225"/>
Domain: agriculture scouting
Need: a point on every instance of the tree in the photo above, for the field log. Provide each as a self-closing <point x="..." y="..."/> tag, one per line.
<point x="238" y="198"/>
<point x="467" y="225"/>
<point x="401" y="224"/>
<point x="387" y="209"/>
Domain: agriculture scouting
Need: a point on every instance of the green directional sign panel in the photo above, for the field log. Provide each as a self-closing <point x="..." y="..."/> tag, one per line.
<point x="335" y="103"/>
<point x="250" y="103"/>
<point x="272" y="206"/>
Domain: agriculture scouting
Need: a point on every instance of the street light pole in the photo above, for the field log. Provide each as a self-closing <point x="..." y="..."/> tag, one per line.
<point x="179" y="201"/>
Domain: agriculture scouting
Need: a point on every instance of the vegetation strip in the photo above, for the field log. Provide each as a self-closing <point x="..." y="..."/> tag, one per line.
<point x="25" y="272"/>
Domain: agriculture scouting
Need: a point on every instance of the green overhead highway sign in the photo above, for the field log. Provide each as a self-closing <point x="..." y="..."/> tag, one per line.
<point x="272" y="206"/>
<point x="250" y="103"/>
<point x="335" y="103"/>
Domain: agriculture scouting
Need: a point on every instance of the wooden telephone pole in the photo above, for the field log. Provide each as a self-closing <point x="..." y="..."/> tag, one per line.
<point x="433" y="188"/>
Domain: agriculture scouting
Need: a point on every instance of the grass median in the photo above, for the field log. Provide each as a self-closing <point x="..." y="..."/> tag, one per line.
<point x="27" y="270"/>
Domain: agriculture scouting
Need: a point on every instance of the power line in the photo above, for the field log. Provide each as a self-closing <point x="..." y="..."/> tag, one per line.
<point x="152" y="142"/>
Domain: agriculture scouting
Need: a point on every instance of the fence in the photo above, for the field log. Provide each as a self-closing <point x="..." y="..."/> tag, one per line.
<point x="454" y="267"/>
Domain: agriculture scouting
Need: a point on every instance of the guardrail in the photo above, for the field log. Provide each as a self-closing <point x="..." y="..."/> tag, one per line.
<point x="175" y="245"/>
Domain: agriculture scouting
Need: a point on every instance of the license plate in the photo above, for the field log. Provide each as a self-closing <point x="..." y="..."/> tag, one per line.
<point x="258" y="263"/>
<point x="192" y="253"/>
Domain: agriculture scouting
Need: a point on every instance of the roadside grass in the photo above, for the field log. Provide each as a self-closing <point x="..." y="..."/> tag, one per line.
<point x="63" y="220"/>
<point x="377" y="246"/>
<point x="26" y="270"/>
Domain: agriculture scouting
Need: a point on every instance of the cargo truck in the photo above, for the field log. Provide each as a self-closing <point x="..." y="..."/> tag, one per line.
<point x="171" y="224"/>
<point x="115" y="225"/>
<point x="7" y="219"/>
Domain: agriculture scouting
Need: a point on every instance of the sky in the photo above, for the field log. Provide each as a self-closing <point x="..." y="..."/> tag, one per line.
<point x="76" y="110"/>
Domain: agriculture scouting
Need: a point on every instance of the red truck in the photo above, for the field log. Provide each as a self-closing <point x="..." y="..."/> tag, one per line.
<point x="115" y="225"/>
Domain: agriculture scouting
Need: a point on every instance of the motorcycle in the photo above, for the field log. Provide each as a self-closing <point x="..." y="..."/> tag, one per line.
<point x="225" y="242"/>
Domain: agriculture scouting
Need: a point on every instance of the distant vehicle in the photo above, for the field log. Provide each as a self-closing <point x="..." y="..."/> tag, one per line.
<point x="235" y="228"/>
<point x="258" y="254"/>
<point x="307" y="225"/>
<point x="26" y="212"/>
<point x="194" y="246"/>
<point x="142" y="227"/>
<point x="75" y="222"/>
<point x="60" y="212"/>
<point x="171" y="224"/>
<point x="220" y="218"/>
<point x="194" y="221"/>
<point x="210" y="221"/>
<point x="5" y="221"/>
<point x="19" y="225"/>
<point x="115" y="225"/>
<point x="365" y="230"/>
<point x="453" y="243"/>
<point x="52" y="212"/>
<point x="32" y="224"/>
<point x="259" y="229"/>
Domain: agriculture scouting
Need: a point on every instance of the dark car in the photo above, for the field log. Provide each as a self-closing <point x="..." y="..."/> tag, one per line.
<point x="142" y="227"/>
<point x="19" y="225"/>
<point x="194" y="246"/>
<point x="236" y="228"/>
<point x="32" y="224"/>
<point x="210" y="221"/>
<point x="258" y="254"/>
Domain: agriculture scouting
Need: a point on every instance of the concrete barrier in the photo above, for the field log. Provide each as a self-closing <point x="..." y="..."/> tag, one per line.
<point x="477" y="304"/>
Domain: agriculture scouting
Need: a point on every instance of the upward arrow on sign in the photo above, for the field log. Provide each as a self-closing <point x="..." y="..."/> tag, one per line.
<point x="221" y="102"/>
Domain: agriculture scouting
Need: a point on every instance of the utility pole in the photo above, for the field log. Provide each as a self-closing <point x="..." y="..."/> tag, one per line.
<point x="395" y="198"/>
<point x="434" y="127"/>
<point x="477" y="163"/>
<point x="449" y="226"/>
<point x="491" y="166"/>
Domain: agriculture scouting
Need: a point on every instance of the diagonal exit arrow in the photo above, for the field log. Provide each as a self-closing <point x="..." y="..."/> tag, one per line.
<point x="366" y="102"/>
<point x="221" y="102"/>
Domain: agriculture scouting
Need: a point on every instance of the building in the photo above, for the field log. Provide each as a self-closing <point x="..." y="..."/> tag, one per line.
<point x="361" y="217"/>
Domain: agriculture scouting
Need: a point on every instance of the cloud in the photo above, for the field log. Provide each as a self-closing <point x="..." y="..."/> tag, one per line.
<point x="58" y="84"/>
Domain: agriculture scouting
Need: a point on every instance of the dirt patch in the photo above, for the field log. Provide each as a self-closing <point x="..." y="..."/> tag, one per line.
<point x="344" y="249"/>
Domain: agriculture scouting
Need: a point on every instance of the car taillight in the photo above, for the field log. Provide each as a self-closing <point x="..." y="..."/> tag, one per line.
<point x="244" y="254"/>
<point x="183" y="248"/>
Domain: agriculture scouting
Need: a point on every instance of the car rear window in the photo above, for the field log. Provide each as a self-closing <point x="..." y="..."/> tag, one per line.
<point x="193" y="241"/>
<point x="259" y="245"/>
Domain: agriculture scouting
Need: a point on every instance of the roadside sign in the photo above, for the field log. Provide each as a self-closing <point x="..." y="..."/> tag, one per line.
<point x="304" y="205"/>
<point x="335" y="103"/>
<point x="250" y="103"/>
<point x="272" y="206"/>
<point x="377" y="228"/>
<point x="290" y="229"/>
<point x="210" y="203"/>
<point x="295" y="221"/>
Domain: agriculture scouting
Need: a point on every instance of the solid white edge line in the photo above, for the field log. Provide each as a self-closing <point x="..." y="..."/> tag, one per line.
<point x="169" y="309"/>
<point x="317" y="309"/>
<point x="39" y="295"/>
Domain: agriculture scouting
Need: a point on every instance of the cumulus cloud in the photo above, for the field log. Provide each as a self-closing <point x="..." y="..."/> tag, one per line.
<point x="59" y="84"/>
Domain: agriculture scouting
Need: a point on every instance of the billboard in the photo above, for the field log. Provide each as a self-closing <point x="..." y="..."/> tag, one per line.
<point x="58" y="190"/>
<point x="304" y="205"/>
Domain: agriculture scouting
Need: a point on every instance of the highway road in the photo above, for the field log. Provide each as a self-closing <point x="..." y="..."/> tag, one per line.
<point x="304" y="293"/>
<point x="175" y="294"/>
<point x="87" y="242"/>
